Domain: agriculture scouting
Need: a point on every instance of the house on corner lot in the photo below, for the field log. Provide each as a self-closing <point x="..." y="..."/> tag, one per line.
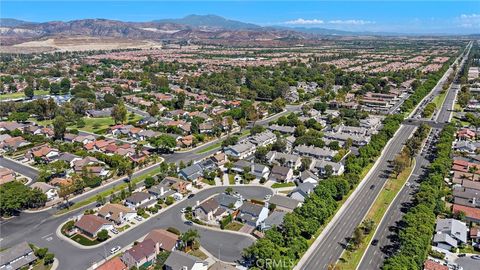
<point x="240" y="150"/>
<point x="166" y="240"/>
<point x="207" y="210"/>
<point x="182" y="261"/>
<point x="140" y="254"/>
<point x="455" y="228"/>
<point x="117" y="213"/>
<point x="274" y="219"/>
<point x="252" y="214"/>
<point x="47" y="189"/>
<point x="140" y="200"/>
<point x="90" y="225"/>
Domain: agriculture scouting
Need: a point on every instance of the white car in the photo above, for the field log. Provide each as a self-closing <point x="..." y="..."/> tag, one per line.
<point x="114" y="231"/>
<point x="115" y="249"/>
<point x="183" y="210"/>
<point x="267" y="197"/>
<point x="139" y="218"/>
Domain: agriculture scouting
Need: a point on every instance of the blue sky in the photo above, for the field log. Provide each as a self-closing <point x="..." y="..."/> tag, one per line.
<point x="390" y="16"/>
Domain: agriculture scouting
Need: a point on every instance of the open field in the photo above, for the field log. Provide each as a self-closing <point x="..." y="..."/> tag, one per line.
<point x="21" y="95"/>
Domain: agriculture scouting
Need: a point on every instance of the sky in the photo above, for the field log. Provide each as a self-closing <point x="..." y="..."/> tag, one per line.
<point x="449" y="17"/>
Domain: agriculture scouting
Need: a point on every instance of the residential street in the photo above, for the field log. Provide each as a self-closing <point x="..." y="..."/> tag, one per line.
<point x="39" y="228"/>
<point x="334" y="239"/>
<point x="19" y="168"/>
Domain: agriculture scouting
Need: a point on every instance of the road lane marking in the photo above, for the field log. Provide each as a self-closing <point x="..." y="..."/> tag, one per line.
<point x="45" y="236"/>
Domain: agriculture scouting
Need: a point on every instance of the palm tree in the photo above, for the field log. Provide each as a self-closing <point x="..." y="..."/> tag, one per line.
<point x="189" y="237"/>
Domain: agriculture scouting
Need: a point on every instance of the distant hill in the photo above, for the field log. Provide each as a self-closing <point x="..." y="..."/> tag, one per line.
<point x="210" y="21"/>
<point x="8" y="22"/>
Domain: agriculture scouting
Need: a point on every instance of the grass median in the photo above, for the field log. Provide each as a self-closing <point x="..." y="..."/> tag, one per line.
<point x="439" y="99"/>
<point x="107" y="192"/>
<point x="351" y="259"/>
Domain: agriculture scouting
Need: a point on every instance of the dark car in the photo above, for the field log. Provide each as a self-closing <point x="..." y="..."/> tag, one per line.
<point x="189" y="223"/>
<point x="374" y="242"/>
<point x="462" y="255"/>
<point x="191" y="196"/>
<point x="372" y="186"/>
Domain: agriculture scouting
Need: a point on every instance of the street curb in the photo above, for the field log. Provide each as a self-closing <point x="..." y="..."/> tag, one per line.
<point x="384" y="215"/>
<point x="340" y="211"/>
<point x="393" y="201"/>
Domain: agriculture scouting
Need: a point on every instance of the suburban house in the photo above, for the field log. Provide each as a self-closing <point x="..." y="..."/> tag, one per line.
<point x="192" y="172"/>
<point x="166" y="240"/>
<point x="281" y="174"/>
<point x="47" y="189"/>
<point x="260" y="171"/>
<point x="90" y="225"/>
<point x="160" y="191"/>
<point x="207" y="210"/>
<point x="471" y="214"/>
<point x="263" y="139"/>
<point x="117" y="213"/>
<point x="220" y="159"/>
<point x="283" y="159"/>
<point x="308" y="177"/>
<point x="228" y="201"/>
<point x="241" y="165"/>
<point x="450" y="233"/>
<point x="252" y="214"/>
<point x="44" y="153"/>
<point x="240" y="150"/>
<point x="140" y="254"/>
<point x="282" y="129"/>
<point x="321" y="167"/>
<point x="315" y="152"/>
<point x="17" y="257"/>
<point x="182" y="261"/>
<point x="14" y="143"/>
<point x="113" y="264"/>
<point x="302" y="191"/>
<point x="6" y="175"/>
<point x="176" y="184"/>
<point x="274" y="219"/>
<point x="140" y="200"/>
<point x="284" y="203"/>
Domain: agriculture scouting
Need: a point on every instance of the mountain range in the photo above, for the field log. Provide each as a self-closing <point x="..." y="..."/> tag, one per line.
<point x="197" y="28"/>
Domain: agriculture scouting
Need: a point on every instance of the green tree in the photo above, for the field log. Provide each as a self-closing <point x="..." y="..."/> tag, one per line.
<point x="119" y="113"/>
<point x="242" y="123"/>
<point x="102" y="235"/>
<point x="28" y="91"/>
<point x="59" y="127"/>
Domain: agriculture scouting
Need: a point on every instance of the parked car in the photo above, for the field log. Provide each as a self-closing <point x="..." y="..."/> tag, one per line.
<point x="267" y="197"/>
<point x="372" y="186"/>
<point x="115" y="249"/>
<point x="184" y="210"/>
<point x="139" y="218"/>
<point x="189" y="223"/>
<point x="191" y="196"/>
<point x="476" y="257"/>
<point x="462" y="255"/>
<point x="114" y="231"/>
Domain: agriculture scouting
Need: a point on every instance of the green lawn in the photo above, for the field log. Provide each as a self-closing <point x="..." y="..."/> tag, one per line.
<point x="99" y="125"/>
<point x="438" y="100"/>
<point x="82" y="240"/>
<point x="210" y="147"/>
<point x="231" y="179"/>
<point x="234" y="226"/>
<point x="282" y="185"/>
<point x="468" y="249"/>
<point x="21" y="95"/>
<point x="351" y="259"/>
<point x="199" y="254"/>
<point x="107" y="192"/>
<point x="40" y="266"/>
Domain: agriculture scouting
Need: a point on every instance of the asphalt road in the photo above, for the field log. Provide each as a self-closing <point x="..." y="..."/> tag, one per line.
<point x="387" y="232"/>
<point x="336" y="237"/>
<point x="19" y="168"/>
<point x="39" y="228"/>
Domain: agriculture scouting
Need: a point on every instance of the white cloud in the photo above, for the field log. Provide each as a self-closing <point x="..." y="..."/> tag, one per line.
<point x="469" y="20"/>
<point x="301" y="21"/>
<point x="350" y="22"/>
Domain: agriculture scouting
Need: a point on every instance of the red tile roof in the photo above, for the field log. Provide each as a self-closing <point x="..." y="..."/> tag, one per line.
<point x="470" y="212"/>
<point x="113" y="264"/>
<point x="431" y="265"/>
